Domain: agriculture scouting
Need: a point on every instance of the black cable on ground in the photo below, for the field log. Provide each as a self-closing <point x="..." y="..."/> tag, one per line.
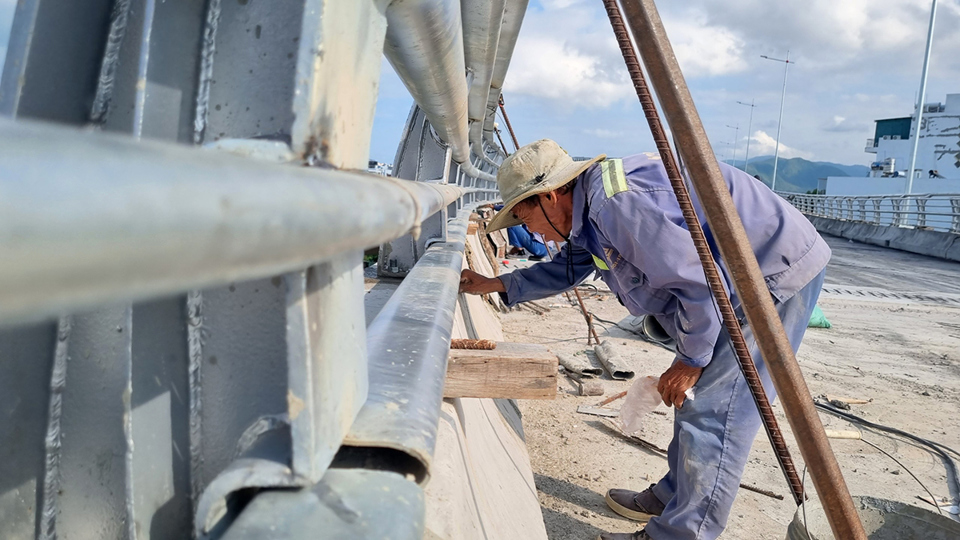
<point x="940" y="450"/>
<point x="904" y="467"/>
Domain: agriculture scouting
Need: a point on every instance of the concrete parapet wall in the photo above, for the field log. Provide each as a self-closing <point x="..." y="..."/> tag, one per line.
<point x="943" y="245"/>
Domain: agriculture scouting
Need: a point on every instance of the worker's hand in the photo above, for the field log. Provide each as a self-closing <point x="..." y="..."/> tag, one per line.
<point x="677" y="380"/>
<point x="474" y="283"/>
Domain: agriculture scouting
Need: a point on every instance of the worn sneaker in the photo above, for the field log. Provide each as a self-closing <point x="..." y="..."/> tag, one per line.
<point x="639" y="535"/>
<point x="638" y="506"/>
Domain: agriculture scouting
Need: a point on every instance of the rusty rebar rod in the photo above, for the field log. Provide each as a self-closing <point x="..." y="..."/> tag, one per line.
<point x="731" y="237"/>
<point x="506" y="120"/>
<point x="502" y="145"/>
<point x="586" y="317"/>
<point x="710" y="270"/>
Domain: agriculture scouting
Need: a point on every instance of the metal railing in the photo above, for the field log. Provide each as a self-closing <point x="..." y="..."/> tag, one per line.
<point x="183" y="326"/>
<point x="933" y="212"/>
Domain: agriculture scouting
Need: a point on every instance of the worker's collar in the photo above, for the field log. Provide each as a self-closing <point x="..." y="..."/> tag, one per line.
<point x="579" y="204"/>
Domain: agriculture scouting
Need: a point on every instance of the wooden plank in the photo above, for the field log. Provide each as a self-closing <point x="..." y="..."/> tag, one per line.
<point x="512" y="370"/>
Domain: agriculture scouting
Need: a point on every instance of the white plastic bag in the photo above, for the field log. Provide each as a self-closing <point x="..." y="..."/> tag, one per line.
<point x="642" y="398"/>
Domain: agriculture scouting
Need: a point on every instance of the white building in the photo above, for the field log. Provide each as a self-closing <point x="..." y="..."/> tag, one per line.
<point x="938" y="155"/>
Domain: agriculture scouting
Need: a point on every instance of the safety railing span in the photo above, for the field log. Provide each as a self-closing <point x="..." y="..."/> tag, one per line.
<point x="183" y="344"/>
<point x="935" y="212"/>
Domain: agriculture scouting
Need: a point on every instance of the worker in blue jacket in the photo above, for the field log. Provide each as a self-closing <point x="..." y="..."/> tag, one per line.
<point x="620" y="217"/>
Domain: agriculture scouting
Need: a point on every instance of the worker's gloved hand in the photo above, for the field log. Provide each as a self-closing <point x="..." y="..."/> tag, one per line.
<point x="676" y="381"/>
<point x="474" y="283"/>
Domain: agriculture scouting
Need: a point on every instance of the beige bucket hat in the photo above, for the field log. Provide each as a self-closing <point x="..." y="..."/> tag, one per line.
<point x="538" y="167"/>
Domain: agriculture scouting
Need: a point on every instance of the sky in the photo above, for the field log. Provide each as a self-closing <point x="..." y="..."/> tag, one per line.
<point x="856" y="61"/>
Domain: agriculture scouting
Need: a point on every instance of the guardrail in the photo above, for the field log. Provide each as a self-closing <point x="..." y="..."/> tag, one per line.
<point x="933" y="212"/>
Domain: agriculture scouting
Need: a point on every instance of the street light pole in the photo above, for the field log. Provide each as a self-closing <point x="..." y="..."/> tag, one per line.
<point x="746" y="159"/>
<point x="736" y="136"/>
<point x="776" y="154"/>
<point x="923" y="97"/>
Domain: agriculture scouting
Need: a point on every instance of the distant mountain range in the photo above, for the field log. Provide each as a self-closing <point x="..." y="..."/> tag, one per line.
<point x="797" y="174"/>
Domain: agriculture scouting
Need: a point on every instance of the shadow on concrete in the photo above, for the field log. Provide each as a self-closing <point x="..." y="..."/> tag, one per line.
<point x="561" y="526"/>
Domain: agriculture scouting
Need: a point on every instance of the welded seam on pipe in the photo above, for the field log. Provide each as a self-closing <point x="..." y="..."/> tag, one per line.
<point x="710" y="270"/>
<point x="195" y="339"/>
<point x="111" y="61"/>
<point x="205" y="74"/>
<point x="50" y="507"/>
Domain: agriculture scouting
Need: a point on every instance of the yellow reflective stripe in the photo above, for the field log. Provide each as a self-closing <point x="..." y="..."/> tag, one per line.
<point x="605" y="173"/>
<point x="599" y="263"/>
<point x="614" y="179"/>
<point x="619" y="177"/>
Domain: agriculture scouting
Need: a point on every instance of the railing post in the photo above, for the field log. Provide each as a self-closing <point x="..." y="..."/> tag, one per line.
<point x="921" y="212"/>
<point x="876" y="209"/>
<point x="897" y="203"/>
<point x="955" y="208"/>
<point x="862" y="206"/>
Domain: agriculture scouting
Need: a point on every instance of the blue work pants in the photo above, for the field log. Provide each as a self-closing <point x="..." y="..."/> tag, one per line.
<point x="521" y="238"/>
<point x="712" y="434"/>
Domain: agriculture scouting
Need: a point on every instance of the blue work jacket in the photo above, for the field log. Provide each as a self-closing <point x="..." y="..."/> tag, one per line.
<point x="639" y="243"/>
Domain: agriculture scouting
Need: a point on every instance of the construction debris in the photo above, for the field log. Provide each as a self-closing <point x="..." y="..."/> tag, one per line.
<point x="611" y="399"/>
<point x="761" y="491"/>
<point x="598" y="411"/>
<point x="585" y="388"/>
<point x="579" y="364"/>
<point x="842" y="434"/>
<point x="612" y="362"/>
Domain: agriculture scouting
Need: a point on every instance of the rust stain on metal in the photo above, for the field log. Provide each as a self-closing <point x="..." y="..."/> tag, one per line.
<point x="295" y="405"/>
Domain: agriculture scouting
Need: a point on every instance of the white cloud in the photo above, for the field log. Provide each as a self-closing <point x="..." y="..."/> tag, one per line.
<point x="567" y="52"/>
<point x="704" y="50"/>
<point x="856" y="62"/>
<point x="549" y="68"/>
<point x="763" y="144"/>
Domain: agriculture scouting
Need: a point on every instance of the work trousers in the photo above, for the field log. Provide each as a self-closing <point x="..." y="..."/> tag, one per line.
<point x="519" y="237"/>
<point x="712" y="434"/>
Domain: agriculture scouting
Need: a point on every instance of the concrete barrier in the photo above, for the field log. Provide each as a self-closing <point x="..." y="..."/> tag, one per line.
<point x="942" y="245"/>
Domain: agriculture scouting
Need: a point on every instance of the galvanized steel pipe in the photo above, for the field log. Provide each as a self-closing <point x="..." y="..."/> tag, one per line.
<point x="471" y="170"/>
<point x="407" y="347"/>
<point x="424" y="44"/>
<point x="482" y="20"/>
<point x="731" y="237"/>
<point x="513" y="14"/>
<point x="88" y="219"/>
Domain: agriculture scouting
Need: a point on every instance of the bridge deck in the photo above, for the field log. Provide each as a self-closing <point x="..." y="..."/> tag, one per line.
<point x="895" y="341"/>
<point x="864" y="265"/>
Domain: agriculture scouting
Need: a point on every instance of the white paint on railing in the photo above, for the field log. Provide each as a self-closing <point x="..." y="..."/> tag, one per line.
<point x="936" y="212"/>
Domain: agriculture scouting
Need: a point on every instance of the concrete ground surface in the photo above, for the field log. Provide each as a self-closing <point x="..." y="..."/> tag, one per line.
<point x="899" y="352"/>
